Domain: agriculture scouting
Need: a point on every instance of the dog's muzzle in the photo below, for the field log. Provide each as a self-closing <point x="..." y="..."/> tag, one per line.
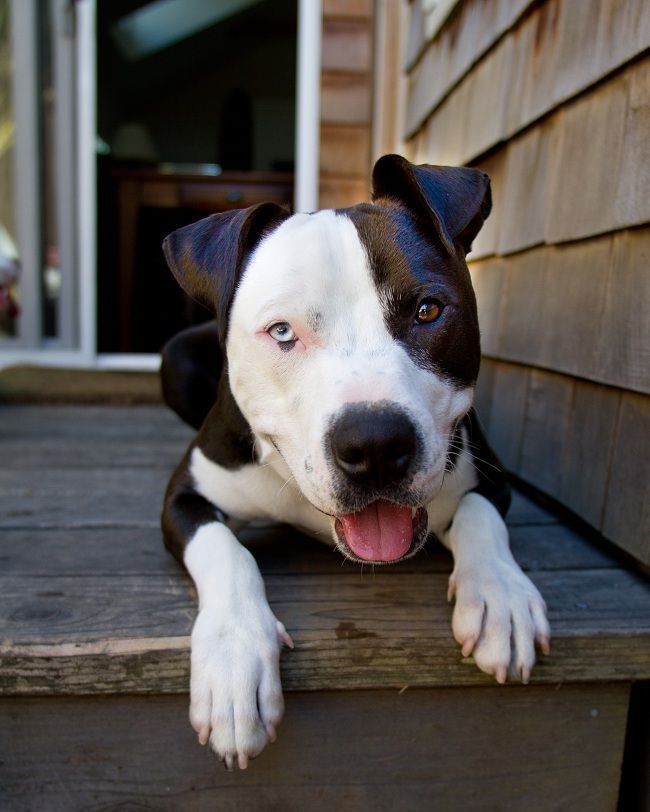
<point x="374" y="448"/>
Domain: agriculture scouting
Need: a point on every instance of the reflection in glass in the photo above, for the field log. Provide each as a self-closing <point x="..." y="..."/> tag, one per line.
<point x="51" y="273"/>
<point x="9" y="265"/>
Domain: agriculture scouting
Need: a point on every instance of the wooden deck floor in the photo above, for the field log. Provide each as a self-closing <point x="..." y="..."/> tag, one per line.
<point x="90" y="602"/>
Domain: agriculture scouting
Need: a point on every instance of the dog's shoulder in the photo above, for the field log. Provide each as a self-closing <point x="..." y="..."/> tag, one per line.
<point x="190" y="370"/>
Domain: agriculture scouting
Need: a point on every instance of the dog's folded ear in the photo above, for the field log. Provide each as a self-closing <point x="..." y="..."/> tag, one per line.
<point x="207" y="257"/>
<point x="456" y="200"/>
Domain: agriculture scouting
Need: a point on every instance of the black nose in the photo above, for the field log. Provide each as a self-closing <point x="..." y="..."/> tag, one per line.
<point x="373" y="446"/>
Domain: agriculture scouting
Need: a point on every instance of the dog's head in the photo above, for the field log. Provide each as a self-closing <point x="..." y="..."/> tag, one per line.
<point x="352" y="341"/>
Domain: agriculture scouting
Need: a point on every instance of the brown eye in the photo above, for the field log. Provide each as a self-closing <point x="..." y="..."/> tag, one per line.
<point x="428" y="311"/>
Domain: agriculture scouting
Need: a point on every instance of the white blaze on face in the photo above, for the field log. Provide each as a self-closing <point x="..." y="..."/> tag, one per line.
<point x="313" y="273"/>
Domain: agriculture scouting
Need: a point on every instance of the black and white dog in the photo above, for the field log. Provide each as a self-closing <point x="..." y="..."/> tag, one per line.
<point x="333" y="391"/>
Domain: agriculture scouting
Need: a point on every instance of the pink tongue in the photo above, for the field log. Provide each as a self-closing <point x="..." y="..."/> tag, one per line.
<point x="381" y="532"/>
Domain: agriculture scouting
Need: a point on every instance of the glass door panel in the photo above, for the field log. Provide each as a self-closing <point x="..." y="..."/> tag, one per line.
<point x="38" y="266"/>
<point x="8" y="229"/>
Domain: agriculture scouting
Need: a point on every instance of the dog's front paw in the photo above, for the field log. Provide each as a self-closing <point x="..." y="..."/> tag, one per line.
<point x="236" y="698"/>
<point x="498" y="618"/>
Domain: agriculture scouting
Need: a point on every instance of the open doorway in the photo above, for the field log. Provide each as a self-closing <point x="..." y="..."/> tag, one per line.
<point x="195" y="114"/>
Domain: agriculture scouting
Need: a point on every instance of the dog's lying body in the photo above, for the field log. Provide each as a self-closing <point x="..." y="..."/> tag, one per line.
<point x="333" y="392"/>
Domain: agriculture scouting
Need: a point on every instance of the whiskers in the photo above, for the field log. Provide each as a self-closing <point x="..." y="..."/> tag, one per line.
<point x="464" y="444"/>
<point x="284" y="485"/>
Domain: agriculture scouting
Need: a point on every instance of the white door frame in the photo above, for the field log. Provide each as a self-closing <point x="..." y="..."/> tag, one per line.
<point x="308" y="83"/>
<point x="305" y="190"/>
<point x="25" y="92"/>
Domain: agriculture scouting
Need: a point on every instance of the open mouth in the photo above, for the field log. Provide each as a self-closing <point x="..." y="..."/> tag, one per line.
<point x="382" y="531"/>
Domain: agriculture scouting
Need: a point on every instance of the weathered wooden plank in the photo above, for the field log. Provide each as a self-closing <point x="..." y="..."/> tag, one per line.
<point x="85" y="551"/>
<point x="556" y="52"/>
<point x="100" y="635"/>
<point x="626" y="517"/>
<point x="345" y="99"/>
<point x="416" y="35"/>
<point x="487" y="241"/>
<point x="559" y="454"/>
<point x="483" y="391"/>
<point x="551" y="184"/>
<point x="508" y="412"/>
<point x="588" y="195"/>
<point x="571" y="432"/>
<point x="91" y="494"/>
<point x="126" y="498"/>
<point x="44" y="437"/>
<point x="578" y="316"/>
<point x="341" y="192"/>
<point x="525" y="305"/>
<point x="590" y="209"/>
<point x="347" y="8"/>
<point x="525" y="199"/>
<point x="29" y="384"/>
<point x="389" y="81"/>
<point x="546" y="430"/>
<point x="345" y="151"/>
<point x="465" y="37"/>
<point x="320" y="665"/>
<point x="623" y="343"/>
<point x="448" y="749"/>
<point x="585" y="464"/>
<point x="555" y="187"/>
<point x="548" y="547"/>
<point x="450" y="135"/>
<point x="523" y="318"/>
<point x="65" y="498"/>
<point x="278" y="550"/>
<point x="20" y="456"/>
<point x="346" y="45"/>
<point x="91" y="423"/>
<point x="488" y="280"/>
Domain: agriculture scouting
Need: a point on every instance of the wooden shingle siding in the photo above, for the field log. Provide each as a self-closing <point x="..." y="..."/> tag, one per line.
<point x="585" y="444"/>
<point x="343" y="149"/>
<point x="337" y="192"/>
<point x="561" y="307"/>
<point x="508" y="391"/>
<point x="345" y="99"/>
<point x="553" y="183"/>
<point x="599" y="174"/>
<point x="627" y="506"/>
<point x="348" y="8"/>
<point x="471" y="29"/>
<point x="557" y="51"/>
<point x="552" y="100"/>
<point x="347" y="46"/>
<point x="346" y="102"/>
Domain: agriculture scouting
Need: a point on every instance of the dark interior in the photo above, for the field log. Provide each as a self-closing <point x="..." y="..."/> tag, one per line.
<point x="202" y="124"/>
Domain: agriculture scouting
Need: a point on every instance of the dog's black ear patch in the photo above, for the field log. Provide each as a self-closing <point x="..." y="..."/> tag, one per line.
<point x="207" y="257"/>
<point x="456" y="199"/>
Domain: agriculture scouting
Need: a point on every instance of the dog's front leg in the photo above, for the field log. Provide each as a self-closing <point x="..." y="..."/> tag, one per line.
<point x="499" y="613"/>
<point x="235" y="692"/>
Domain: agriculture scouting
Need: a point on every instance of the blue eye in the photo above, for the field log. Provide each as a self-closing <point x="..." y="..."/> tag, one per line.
<point x="282" y="332"/>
